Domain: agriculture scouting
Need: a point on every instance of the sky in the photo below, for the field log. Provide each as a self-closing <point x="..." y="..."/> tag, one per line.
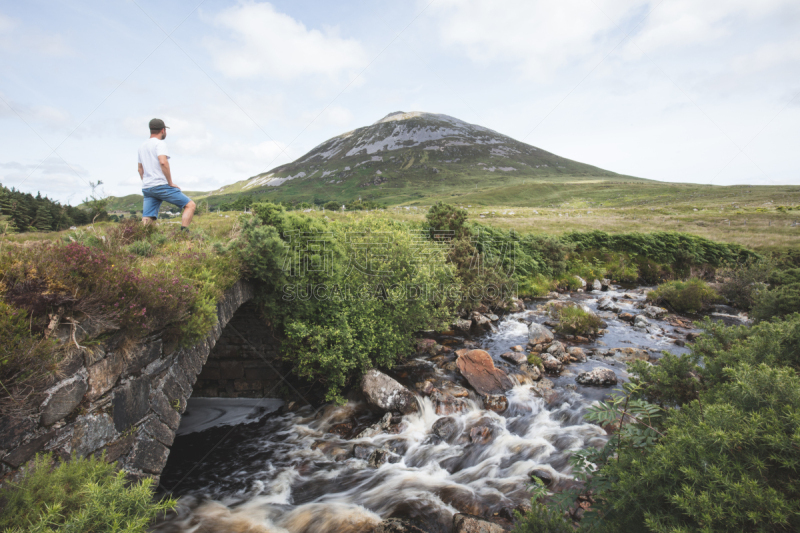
<point x="703" y="91"/>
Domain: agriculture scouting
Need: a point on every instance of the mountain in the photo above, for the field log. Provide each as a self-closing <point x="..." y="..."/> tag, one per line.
<point x="413" y="155"/>
<point x="417" y="158"/>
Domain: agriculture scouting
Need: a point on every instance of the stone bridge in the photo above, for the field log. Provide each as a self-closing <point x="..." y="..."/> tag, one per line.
<point x="128" y="403"/>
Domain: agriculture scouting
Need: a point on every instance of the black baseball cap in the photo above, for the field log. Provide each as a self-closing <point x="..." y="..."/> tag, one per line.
<point x="157" y="124"/>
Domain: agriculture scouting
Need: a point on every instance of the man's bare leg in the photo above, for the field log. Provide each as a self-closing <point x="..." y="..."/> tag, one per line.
<point x="147" y="220"/>
<point x="188" y="213"/>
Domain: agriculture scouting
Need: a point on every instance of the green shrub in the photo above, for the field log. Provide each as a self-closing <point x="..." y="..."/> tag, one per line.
<point x="541" y="519"/>
<point x="690" y="296"/>
<point x="534" y="287"/>
<point x="445" y="217"/>
<point x="724" y="458"/>
<point x="332" y="206"/>
<point x="622" y="269"/>
<point x="742" y="283"/>
<point x="777" y="302"/>
<point x="81" y="496"/>
<point x="574" y="320"/>
<point x="665" y="247"/>
<point x="339" y="291"/>
<point x="142" y="248"/>
<point x="535" y="360"/>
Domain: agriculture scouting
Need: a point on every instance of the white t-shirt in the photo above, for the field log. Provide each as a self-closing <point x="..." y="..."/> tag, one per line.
<point x="148" y="157"/>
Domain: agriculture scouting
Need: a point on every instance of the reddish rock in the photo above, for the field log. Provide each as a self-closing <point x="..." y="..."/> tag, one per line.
<point x="478" y="367"/>
<point x="480" y="434"/>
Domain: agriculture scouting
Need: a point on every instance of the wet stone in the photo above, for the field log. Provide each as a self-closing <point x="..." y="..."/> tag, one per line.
<point x="386" y="394"/>
<point x="463" y="523"/>
<point x="497" y="403"/>
<point x="478" y="368"/>
<point x="445" y="427"/>
<point x="539" y="334"/>
<point x="396" y="525"/>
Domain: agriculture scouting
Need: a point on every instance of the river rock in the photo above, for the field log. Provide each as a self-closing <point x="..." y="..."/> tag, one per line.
<point x="481" y="434"/>
<point x="480" y="322"/>
<point x="641" y="322"/>
<point x="386" y="394"/>
<point x="655" y="312"/>
<point x="515" y="357"/>
<point x="627" y="355"/>
<point x="596" y="285"/>
<point x="556" y="348"/>
<point x="395" y="525"/>
<point x="445" y="404"/>
<point x="445" y="427"/>
<point x="627" y="317"/>
<point x="605" y="284"/>
<point x="538" y="334"/>
<point x="497" y="403"/>
<point x="462" y="325"/>
<point x="577" y="354"/>
<point x="607" y="304"/>
<point x="599" y="377"/>
<point x="379" y="457"/>
<point x="552" y="365"/>
<point x="534" y="372"/>
<point x="581" y="281"/>
<point x="463" y="523"/>
<point x="478" y="368"/>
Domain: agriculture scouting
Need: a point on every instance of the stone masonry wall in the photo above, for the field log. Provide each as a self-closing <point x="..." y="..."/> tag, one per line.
<point x="129" y="404"/>
<point x="244" y="362"/>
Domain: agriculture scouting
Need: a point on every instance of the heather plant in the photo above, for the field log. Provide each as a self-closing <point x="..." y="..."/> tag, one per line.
<point x="691" y="296"/>
<point x="82" y="495"/>
<point x="27" y="362"/>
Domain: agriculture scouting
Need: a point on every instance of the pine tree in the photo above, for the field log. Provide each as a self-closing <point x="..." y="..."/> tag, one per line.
<point x="6" y="206"/>
<point x="44" y="219"/>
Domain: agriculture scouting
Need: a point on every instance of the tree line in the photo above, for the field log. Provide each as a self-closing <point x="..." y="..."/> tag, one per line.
<point x="21" y="212"/>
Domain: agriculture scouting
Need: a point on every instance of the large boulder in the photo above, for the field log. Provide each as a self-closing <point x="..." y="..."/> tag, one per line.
<point x="596" y="285"/>
<point x="552" y="365"/>
<point x="445" y="428"/>
<point x="478" y="368"/>
<point x="538" y="334"/>
<point x="599" y="377"/>
<point x="607" y="304"/>
<point x="386" y="394"/>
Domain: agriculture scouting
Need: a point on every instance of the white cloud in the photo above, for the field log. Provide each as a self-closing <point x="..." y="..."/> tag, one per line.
<point x="540" y="37"/>
<point x="266" y="43"/>
<point x="16" y="39"/>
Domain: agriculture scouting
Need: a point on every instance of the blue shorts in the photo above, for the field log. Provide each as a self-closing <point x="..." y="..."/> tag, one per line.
<point x="162" y="193"/>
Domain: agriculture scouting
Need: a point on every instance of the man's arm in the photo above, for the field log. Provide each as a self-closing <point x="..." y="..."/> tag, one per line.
<point x="165" y="169"/>
<point x="141" y="172"/>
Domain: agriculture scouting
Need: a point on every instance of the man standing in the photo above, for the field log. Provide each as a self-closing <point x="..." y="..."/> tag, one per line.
<point x="157" y="183"/>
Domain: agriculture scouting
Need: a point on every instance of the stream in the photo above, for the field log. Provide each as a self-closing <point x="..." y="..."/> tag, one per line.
<point x="255" y="466"/>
